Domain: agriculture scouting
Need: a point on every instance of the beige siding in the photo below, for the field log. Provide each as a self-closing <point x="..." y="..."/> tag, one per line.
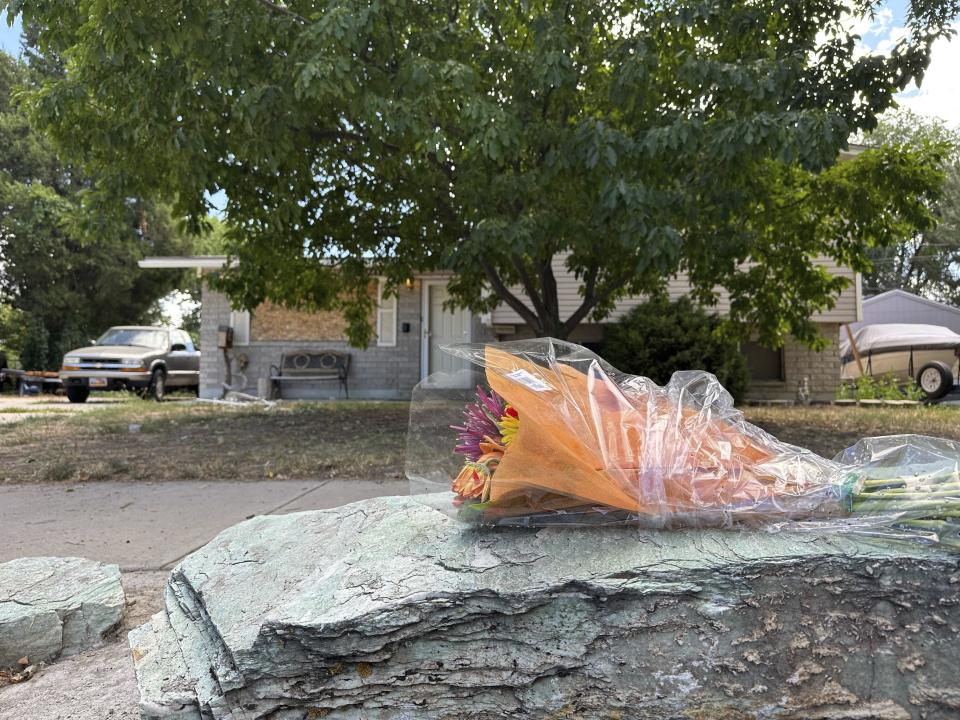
<point x="847" y="308"/>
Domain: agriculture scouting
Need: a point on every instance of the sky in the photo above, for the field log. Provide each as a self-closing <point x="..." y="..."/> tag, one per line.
<point x="939" y="93"/>
<point x="9" y="36"/>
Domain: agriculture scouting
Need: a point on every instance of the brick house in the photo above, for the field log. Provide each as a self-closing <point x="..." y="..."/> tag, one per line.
<point x="412" y="326"/>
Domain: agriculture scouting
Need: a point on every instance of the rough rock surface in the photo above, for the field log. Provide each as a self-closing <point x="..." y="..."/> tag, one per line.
<point x="390" y="609"/>
<point x="52" y="607"/>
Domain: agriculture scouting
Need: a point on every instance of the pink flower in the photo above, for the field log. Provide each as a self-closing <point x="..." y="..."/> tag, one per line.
<point x="481" y="424"/>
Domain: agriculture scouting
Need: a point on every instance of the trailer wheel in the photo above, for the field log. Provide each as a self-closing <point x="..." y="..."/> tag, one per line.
<point x="935" y="379"/>
<point x="78" y="394"/>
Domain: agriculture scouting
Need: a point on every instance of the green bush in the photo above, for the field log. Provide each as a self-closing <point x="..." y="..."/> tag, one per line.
<point x="35" y="353"/>
<point x="885" y="387"/>
<point x="12" y="332"/>
<point x="70" y="338"/>
<point x="659" y="337"/>
<point x="866" y="388"/>
<point x="912" y="391"/>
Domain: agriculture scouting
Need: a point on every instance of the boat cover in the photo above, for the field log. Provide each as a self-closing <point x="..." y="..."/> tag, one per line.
<point x="898" y="336"/>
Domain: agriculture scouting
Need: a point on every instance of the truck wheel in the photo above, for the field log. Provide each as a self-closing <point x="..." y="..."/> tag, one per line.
<point x="935" y="379"/>
<point x="78" y="394"/>
<point x="158" y="385"/>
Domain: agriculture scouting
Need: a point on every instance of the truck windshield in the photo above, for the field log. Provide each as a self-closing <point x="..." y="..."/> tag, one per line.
<point x="131" y="336"/>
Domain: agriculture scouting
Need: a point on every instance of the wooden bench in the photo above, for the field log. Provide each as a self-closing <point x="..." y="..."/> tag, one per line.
<point x="302" y="366"/>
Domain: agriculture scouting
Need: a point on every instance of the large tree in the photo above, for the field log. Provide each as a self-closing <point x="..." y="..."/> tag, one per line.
<point x="68" y="266"/>
<point x="634" y="139"/>
<point x="928" y="262"/>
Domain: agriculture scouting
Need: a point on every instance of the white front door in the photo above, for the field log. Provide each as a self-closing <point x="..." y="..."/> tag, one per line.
<point x="441" y="327"/>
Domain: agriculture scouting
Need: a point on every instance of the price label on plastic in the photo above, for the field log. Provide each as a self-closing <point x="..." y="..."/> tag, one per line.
<point x="528" y="379"/>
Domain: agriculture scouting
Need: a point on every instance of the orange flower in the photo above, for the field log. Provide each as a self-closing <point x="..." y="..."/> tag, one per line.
<point x="469" y="484"/>
<point x="473" y="482"/>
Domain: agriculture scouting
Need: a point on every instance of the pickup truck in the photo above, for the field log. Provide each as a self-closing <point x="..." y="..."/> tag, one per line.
<point x="145" y="359"/>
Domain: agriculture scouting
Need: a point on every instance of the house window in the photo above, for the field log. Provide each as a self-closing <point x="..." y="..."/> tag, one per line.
<point x="762" y="362"/>
<point x="240" y="322"/>
<point x="386" y="317"/>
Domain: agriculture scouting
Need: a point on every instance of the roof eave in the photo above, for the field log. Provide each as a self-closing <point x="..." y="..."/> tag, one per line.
<point x="200" y="262"/>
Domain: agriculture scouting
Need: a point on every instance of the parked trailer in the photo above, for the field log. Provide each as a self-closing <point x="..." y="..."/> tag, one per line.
<point x="29" y="382"/>
<point x="927" y="353"/>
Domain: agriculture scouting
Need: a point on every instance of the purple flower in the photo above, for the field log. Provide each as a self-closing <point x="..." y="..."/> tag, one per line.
<point x="480" y="421"/>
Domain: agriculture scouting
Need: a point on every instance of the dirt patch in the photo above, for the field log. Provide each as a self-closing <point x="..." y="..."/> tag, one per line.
<point x="829" y="429"/>
<point x="194" y="441"/>
<point x="94" y="685"/>
<point x="144" y="591"/>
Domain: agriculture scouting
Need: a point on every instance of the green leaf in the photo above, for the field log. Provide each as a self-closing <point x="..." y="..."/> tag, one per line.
<point x="635" y="140"/>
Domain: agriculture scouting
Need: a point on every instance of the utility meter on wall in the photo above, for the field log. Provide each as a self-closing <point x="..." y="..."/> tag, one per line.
<point x="225" y="337"/>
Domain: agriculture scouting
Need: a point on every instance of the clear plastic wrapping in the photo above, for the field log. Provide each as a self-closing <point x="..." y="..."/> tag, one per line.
<point x="544" y="432"/>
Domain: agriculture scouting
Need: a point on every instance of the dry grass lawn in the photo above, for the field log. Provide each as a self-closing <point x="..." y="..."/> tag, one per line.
<point x="137" y="440"/>
<point x="829" y="429"/>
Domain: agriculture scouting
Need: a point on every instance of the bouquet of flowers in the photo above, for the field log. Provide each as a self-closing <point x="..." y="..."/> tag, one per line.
<point x="559" y="436"/>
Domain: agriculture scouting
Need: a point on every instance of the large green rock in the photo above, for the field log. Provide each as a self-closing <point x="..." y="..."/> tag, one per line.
<point x="53" y="606"/>
<point x="388" y="608"/>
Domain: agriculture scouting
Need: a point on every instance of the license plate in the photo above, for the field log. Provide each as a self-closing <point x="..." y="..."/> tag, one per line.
<point x="98" y="382"/>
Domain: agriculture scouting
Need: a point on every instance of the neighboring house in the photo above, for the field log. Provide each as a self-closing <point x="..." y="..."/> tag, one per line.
<point x="899" y="306"/>
<point x="412" y="326"/>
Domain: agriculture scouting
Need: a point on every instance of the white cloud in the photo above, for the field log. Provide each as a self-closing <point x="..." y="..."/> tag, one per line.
<point x="888" y="41"/>
<point x="870" y="30"/>
<point x="866" y="26"/>
<point x="939" y="93"/>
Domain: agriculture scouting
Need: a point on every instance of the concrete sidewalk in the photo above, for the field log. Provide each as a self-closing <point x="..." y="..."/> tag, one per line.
<point x="145" y="528"/>
<point x="150" y="526"/>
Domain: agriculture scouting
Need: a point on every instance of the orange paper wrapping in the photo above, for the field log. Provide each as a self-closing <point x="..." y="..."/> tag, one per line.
<point x="582" y="440"/>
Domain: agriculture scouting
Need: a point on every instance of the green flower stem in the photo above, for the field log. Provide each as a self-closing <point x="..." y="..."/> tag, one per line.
<point x="869" y="485"/>
<point x="925" y="504"/>
<point x="910" y="482"/>
<point x="901" y="505"/>
<point x="927" y="489"/>
<point x="907" y="496"/>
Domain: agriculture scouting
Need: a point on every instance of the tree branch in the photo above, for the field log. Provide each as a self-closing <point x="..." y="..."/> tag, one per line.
<point x="445" y="167"/>
<point x="589" y="300"/>
<point x="529" y="317"/>
<point x="530" y="289"/>
<point x="548" y="286"/>
<point x="319" y="135"/>
<point x="335" y="134"/>
<point x="284" y="11"/>
<point x="494" y="26"/>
